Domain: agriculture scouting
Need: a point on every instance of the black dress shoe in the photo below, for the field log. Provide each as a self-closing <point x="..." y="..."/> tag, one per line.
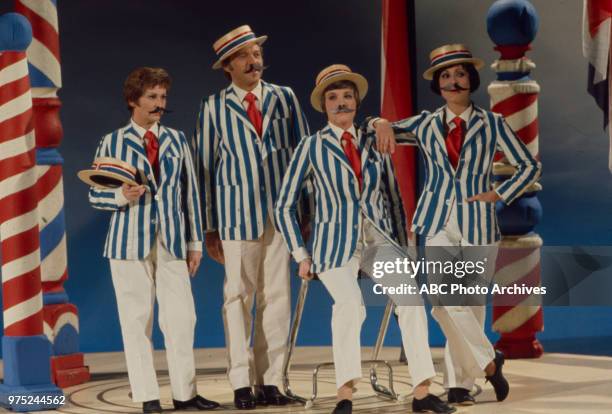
<point x="270" y="395"/>
<point x="497" y="380"/>
<point x="244" y="399"/>
<point x="197" y="403"/>
<point x="431" y="404"/>
<point x="343" y="407"/>
<point x="152" y="406"/>
<point x="460" y="396"/>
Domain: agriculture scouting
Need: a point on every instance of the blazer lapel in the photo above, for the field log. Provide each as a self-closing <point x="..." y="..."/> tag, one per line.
<point x="332" y="143"/>
<point x="134" y="142"/>
<point x="165" y="142"/>
<point x="234" y="104"/>
<point x="475" y="124"/>
<point x="365" y="144"/>
<point x="268" y="107"/>
<point x="437" y="126"/>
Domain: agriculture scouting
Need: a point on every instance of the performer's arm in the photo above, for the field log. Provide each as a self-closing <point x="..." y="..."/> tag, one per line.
<point x="206" y="143"/>
<point x="102" y="198"/>
<point x="300" y="130"/>
<point x="389" y="134"/>
<point x="191" y="201"/>
<point x="528" y="169"/>
<point x="285" y="214"/>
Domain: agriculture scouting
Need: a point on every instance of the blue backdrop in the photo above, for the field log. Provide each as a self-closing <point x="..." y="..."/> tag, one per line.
<point x="101" y="41"/>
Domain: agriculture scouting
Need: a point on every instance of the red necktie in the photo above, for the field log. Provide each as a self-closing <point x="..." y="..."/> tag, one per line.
<point x="152" y="148"/>
<point x="352" y="155"/>
<point x="454" y="141"/>
<point x="254" y="113"/>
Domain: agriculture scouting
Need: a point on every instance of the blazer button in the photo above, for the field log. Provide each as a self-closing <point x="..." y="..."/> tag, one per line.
<point x="448" y="202"/>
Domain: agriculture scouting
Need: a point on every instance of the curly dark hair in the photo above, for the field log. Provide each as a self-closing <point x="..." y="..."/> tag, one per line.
<point x="141" y="79"/>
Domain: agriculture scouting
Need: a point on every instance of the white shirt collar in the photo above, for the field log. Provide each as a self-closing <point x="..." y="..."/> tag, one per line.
<point x="339" y="131"/>
<point x="141" y="131"/>
<point x="241" y="93"/>
<point x="465" y="115"/>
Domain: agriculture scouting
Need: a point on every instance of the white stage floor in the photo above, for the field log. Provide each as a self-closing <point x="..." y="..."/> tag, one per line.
<point x="555" y="383"/>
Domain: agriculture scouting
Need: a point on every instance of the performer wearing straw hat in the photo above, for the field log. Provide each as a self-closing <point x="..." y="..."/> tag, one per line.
<point x="357" y="204"/>
<point x="245" y="136"/>
<point x="457" y="207"/>
<point x="154" y="240"/>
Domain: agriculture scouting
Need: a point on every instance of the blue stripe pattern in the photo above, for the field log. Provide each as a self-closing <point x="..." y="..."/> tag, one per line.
<point x="486" y="133"/>
<point x="339" y="205"/>
<point x="169" y="209"/>
<point x="451" y="56"/>
<point x="235" y="43"/>
<point x="240" y="173"/>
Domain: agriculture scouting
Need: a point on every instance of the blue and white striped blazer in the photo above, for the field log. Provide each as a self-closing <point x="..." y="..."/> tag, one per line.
<point x="486" y="133"/>
<point x="170" y="208"/>
<point x="241" y="174"/>
<point x="338" y="203"/>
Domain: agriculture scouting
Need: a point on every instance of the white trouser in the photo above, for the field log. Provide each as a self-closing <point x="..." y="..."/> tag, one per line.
<point x="137" y="283"/>
<point x="468" y="350"/>
<point x="256" y="268"/>
<point x="349" y="313"/>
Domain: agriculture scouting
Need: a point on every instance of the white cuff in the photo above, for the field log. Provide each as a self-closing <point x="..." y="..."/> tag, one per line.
<point x="194" y="246"/>
<point x="300" y="254"/>
<point x="372" y="122"/>
<point x="120" y="198"/>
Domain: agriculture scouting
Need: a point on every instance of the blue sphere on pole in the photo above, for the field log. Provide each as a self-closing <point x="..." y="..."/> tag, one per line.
<point x="512" y="22"/>
<point x="15" y="33"/>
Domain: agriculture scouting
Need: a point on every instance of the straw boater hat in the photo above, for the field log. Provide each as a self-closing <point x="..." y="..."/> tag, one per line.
<point x="449" y="55"/>
<point x="109" y="172"/>
<point x="335" y="73"/>
<point x="234" y="40"/>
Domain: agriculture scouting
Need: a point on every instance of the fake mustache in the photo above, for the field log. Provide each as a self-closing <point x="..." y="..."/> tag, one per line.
<point x="454" y="87"/>
<point x="342" y="109"/>
<point x="161" y="110"/>
<point x="255" y="66"/>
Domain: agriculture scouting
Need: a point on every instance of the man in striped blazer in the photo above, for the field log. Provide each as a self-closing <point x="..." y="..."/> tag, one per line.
<point x="154" y="242"/>
<point x="245" y="136"/>
<point x="457" y="206"/>
<point x="357" y="206"/>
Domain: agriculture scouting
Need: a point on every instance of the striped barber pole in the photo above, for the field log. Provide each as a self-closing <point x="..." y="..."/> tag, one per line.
<point x="512" y="25"/>
<point x="21" y="285"/>
<point x="43" y="53"/>
<point x="26" y="351"/>
<point x="45" y="75"/>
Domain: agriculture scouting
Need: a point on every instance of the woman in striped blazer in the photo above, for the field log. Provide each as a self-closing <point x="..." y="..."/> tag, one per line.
<point x="154" y="242"/>
<point x="458" y="143"/>
<point x="357" y="205"/>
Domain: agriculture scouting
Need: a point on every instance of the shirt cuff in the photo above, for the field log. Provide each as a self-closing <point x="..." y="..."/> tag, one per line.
<point x="120" y="198"/>
<point x="300" y="254"/>
<point x="194" y="246"/>
<point x="372" y="121"/>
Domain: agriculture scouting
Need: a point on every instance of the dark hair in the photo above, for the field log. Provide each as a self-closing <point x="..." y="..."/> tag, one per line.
<point x="141" y="79"/>
<point x="231" y="57"/>
<point x="341" y="84"/>
<point x="472" y="73"/>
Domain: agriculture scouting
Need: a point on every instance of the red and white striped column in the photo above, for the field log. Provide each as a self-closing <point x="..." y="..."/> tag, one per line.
<point x="512" y="25"/>
<point x="61" y="321"/>
<point x="25" y="350"/>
